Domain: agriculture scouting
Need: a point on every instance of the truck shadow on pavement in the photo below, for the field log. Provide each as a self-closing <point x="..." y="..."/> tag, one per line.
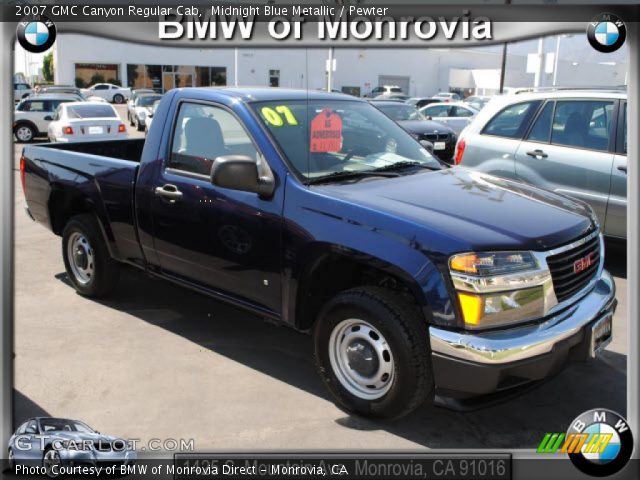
<point x="287" y="356"/>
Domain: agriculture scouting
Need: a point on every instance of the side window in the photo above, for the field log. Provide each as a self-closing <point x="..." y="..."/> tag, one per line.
<point x="512" y="121"/>
<point x="35" y="106"/>
<point x="541" y="130"/>
<point x="101" y="87"/>
<point x="203" y="133"/>
<point x="461" y="112"/>
<point x="437" y="111"/>
<point x="624" y="129"/>
<point x="582" y="124"/>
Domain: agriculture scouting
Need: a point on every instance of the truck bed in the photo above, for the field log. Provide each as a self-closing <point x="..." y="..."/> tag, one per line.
<point x="102" y="174"/>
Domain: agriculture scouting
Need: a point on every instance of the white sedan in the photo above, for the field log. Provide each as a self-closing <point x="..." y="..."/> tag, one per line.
<point x="110" y="92"/>
<point x="86" y="122"/>
<point x="455" y="115"/>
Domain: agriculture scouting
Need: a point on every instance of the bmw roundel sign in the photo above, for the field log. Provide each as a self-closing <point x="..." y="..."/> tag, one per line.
<point x="36" y="35"/>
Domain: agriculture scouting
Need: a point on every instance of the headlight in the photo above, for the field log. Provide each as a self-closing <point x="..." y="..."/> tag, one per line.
<point x="499" y="288"/>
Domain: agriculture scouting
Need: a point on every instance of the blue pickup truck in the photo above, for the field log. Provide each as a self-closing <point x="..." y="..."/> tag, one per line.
<point x="417" y="281"/>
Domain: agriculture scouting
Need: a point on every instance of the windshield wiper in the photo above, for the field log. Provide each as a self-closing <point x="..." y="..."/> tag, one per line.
<point x="348" y="175"/>
<point x="406" y="164"/>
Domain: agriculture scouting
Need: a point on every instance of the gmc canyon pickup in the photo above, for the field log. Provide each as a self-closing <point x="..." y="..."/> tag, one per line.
<point x="313" y="209"/>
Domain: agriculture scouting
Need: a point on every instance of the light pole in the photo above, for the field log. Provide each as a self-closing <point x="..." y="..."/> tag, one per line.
<point x="556" y="60"/>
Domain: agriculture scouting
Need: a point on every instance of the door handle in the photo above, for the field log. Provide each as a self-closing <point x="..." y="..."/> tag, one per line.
<point x="169" y="192"/>
<point x="623" y="168"/>
<point x="537" y="153"/>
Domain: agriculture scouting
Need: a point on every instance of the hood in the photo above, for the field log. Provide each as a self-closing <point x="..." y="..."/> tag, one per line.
<point x="456" y="210"/>
<point x="424" y="126"/>
<point x="82" y="436"/>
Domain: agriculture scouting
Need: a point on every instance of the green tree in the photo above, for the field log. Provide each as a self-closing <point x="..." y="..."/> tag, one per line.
<point x="47" y="67"/>
<point x="96" y="78"/>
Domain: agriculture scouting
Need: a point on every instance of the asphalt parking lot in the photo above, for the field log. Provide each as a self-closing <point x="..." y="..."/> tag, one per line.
<point x="158" y="361"/>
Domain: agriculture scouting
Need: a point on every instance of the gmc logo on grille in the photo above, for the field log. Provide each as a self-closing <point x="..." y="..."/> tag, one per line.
<point x="583" y="263"/>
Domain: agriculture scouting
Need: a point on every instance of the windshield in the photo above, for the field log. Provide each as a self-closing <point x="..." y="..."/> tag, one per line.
<point x="91" y="111"/>
<point x="147" y="100"/>
<point x="61" y="425"/>
<point x="400" y="111"/>
<point x="320" y="138"/>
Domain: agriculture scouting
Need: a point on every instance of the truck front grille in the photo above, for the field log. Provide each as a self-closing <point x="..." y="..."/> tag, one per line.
<point x="572" y="270"/>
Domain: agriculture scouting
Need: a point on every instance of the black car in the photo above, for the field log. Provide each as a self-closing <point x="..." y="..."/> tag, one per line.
<point x="408" y="117"/>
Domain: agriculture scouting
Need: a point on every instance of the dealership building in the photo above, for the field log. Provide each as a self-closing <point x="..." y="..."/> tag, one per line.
<point x="84" y="60"/>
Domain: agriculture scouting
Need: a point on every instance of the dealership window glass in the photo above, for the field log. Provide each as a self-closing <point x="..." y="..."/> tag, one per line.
<point x="541" y="129"/>
<point x="582" y="124"/>
<point x="274" y="78"/>
<point x="88" y="74"/>
<point x="218" y="75"/>
<point x="203" y="133"/>
<point x="203" y="76"/>
<point x="512" y="121"/>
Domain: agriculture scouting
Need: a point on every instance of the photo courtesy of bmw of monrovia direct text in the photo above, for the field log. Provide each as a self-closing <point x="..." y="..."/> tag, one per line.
<point x="333" y="239"/>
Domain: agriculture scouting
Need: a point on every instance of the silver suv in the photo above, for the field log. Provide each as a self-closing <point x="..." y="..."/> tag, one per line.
<point x="572" y="142"/>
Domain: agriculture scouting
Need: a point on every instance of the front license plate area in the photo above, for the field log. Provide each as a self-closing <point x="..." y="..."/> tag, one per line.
<point x="601" y="334"/>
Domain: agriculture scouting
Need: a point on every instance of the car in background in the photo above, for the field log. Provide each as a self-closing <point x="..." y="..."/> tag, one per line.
<point x="150" y="116"/>
<point x="383" y="90"/>
<point x="396" y="97"/>
<point x="32" y="115"/>
<point x="141" y="109"/>
<point x="447" y="97"/>
<point x="46" y="441"/>
<point x="477" y="101"/>
<point x="455" y="115"/>
<point x="86" y="122"/>
<point x="65" y="89"/>
<point x="420" y="102"/>
<point x="110" y="92"/>
<point x="441" y="136"/>
<point x="21" y="91"/>
<point x="572" y="142"/>
<point x="135" y="94"/>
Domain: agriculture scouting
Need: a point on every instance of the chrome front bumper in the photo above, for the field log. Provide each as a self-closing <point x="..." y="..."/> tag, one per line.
<point x="521" y="343"/>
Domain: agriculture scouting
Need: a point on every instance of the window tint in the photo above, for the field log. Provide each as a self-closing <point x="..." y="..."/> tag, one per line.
<point x="203" y="133"/>
<point x="582" y="123"/>
<point x="437" y="111"/>
<point x="101" y="87"/>
<point x="542" y="127"/>
<point x="512" y="121"/>
<point x="91" y="111"/>
<point x="461" y="112"/>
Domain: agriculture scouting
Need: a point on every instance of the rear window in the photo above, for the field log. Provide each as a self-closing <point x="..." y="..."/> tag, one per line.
<point x="395" y="89"/>
<point x="91" y="111"/>
<point x="512" y="121"/>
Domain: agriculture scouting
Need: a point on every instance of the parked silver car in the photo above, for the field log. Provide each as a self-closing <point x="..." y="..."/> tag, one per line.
<point x="456" y="116"/>
<point x="573" y="142"/>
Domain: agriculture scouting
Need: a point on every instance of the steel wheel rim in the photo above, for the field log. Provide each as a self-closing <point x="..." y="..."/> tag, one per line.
<point x="355" y="345"/>
<point x="81" y="258"/>
<point x="51" y="459"/>
<point x="24" y="133"/>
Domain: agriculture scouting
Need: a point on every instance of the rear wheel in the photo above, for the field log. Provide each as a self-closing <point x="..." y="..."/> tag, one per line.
<point x="130" y="118"/>
<point x="24" y="133"/>
<point x="139" y="127"/>
<point x="89" y="266"/>
<point x="117" y="98"/>
<point x="372" y="352"/>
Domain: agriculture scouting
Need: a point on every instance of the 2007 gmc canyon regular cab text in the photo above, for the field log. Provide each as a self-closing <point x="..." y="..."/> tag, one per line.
<point x="417" y="281"/>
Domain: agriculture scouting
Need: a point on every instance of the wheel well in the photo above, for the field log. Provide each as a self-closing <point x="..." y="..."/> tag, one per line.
<point x="63" y="206"/>
<point x="335" y="273"/>
<point x="26" y="122"/>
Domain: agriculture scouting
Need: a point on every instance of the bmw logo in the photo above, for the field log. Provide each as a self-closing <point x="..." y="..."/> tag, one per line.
<point x="37" y="34"/>
<point x="607" y="442"/>
<point x="606" y="33"/>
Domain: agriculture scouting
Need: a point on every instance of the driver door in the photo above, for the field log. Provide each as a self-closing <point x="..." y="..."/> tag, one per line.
<point x="222" y="240"/>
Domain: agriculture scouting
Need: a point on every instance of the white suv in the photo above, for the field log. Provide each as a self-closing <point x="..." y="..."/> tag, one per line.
<point x="32" y="115"/>
<point x="572" y="142"/>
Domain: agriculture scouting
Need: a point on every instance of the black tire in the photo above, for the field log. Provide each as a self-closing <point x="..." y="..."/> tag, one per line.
<point x="405" y="331"/>
<point x="139" y="127"/>
<point x="130" y="119"/>
<point x="117" y="98"/>
<point x="104" y="270"/>
<point x="24" y="132"/>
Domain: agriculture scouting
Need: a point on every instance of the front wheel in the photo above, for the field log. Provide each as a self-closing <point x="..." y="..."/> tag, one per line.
<point x="372" y="352"/>
<point x="24" y="133"/>
<point x="89" y="266"/>
<point x="51" y="463"/>
<point x="117" y="98"/>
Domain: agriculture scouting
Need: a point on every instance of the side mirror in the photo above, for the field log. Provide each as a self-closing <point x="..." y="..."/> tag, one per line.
<point x="428" y="146"/>
<point x="48" y="118"/>
<point x="240" y="172"/>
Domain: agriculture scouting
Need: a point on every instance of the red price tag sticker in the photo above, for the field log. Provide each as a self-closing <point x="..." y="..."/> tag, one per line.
<point x="326" y="132"/>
